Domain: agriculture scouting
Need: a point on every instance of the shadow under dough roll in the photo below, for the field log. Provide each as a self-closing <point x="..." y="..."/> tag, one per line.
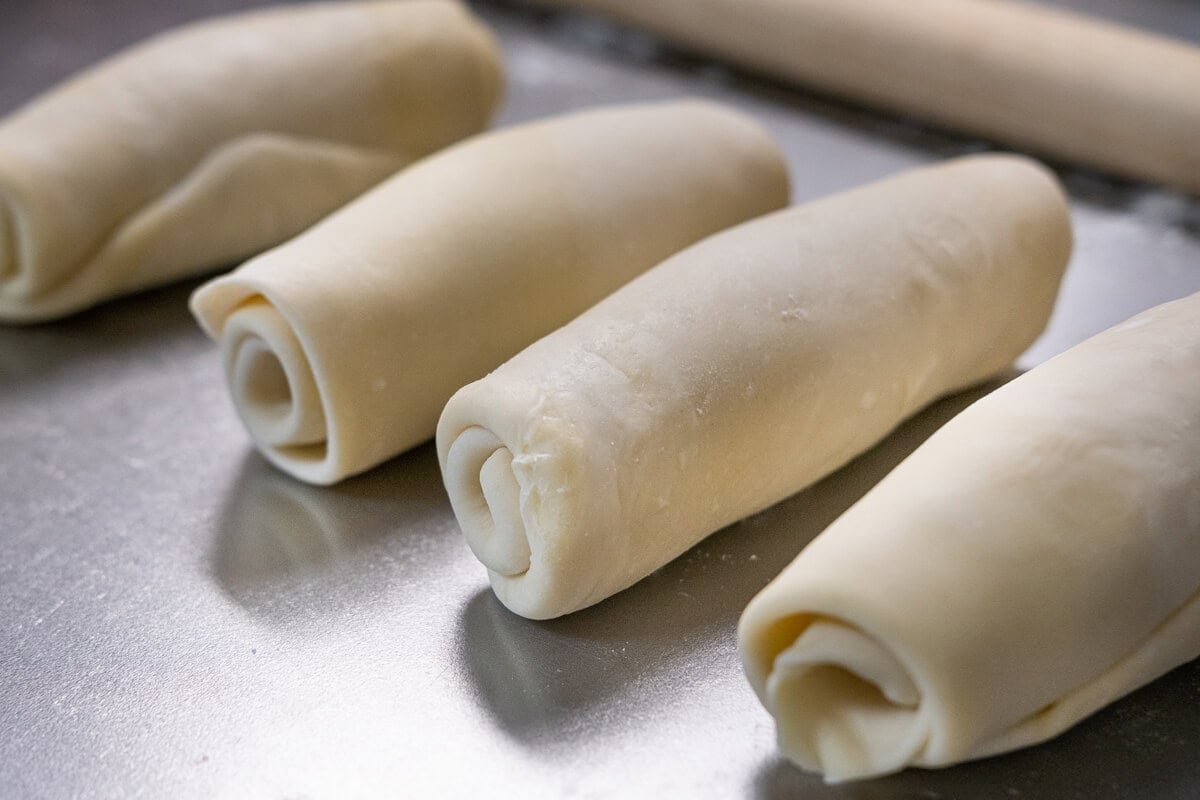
<point x="342" y="346"/>
<point x="1031" y="562"/>
<point x="212" y="142"/>
<point x="1063" y="84"/>
<point x="743" y="369"/>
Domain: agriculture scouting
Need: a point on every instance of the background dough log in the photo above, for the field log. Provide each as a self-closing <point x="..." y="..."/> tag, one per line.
<point x="1058" y="83"/>
<point x="1031" y="562"/>
<point x="212" y="142"/>
<point x="743" y="369"/>
<point x="343" y="345"/>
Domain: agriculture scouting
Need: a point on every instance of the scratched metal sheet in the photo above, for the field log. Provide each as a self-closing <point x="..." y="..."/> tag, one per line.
<point x="178" y="620"/>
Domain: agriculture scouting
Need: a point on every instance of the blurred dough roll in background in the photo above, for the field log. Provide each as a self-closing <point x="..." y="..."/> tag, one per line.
<point x="1031" y="562"/>
<point x="342" y="346"/>
<point x="1057" y="83"/>
<point x="743" y="369"/>
<point x="214" y="141"/>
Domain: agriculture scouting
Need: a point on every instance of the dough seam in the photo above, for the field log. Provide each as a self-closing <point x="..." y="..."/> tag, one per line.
<point x="80" y="272"/>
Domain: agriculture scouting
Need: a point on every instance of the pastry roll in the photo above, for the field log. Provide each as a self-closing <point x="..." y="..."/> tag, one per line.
<point x="743" y="369"/>
<point x="212" y="142"/>
<point x="1058" y="83"/>
<point x="1034" y="560"/>
<point x="342" y="346"/>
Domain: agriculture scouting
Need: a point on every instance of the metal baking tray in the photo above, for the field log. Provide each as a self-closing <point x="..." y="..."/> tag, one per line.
<point x="178" y="620"/>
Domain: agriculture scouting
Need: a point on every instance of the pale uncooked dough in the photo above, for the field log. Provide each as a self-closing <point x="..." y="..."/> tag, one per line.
<point x="1034" y="77"/>
<point x="343" y="345"/>
<point x="1033" y="561"/>
<point x="743" y="369"/>
<point x="214" y="141"/>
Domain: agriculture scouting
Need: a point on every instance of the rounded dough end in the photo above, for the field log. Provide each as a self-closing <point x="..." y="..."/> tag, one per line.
<point x="18" y="282"/>
<point x="270" y="378"/>
<point x="843" y="705"/>
<point x="8" y="254"/>
<point x="486" y="497"/>
<point x="490" y="59"/>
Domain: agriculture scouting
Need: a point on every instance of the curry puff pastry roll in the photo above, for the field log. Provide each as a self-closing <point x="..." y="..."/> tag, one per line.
<point x="343" y="345"/>
<point x="1031" y="562"/>
<point x="744" y="369"/>
<point x="1028" y="74"/>
<point x="212" y="142"/>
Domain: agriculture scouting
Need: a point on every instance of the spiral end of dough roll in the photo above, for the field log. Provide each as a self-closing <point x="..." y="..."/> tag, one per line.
<point x="271" y="379"/>
<point x="844" y="704"/>
<point x="8" y="255"/>
<point x="17" y="281"/>
<point x="510" y="467"/>
<point x="486" y="495"/>
<point x="26" y="295"/>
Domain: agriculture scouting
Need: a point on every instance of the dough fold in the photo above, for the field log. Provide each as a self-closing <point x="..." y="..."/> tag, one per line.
<point x="342" y="346"/>
<point x="1031" y="562"/>
<point x="1058" y="83"/>
<point x="743" y="369"/>
<point x="219" y="139"/>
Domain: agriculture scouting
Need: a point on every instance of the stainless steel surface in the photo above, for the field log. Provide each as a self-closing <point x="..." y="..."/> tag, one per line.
<point x="180" y="621"/>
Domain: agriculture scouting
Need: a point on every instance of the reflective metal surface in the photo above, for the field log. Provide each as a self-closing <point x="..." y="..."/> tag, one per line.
<point x="178" y="620"/>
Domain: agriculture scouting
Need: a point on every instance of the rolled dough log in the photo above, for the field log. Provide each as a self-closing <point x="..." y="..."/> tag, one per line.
<point x="1054" y="82"/>
<point x="219" y="139"/>
<point x="743" y="369"/>
<point x="1031" y="562"/>
<point x="343" y="345"/>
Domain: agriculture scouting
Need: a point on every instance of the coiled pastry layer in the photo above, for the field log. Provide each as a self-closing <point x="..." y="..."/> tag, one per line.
<point x="209" y="143"/>
<point x="342" y="346"/>
<point x="741" y="370"/>
<point x="1031" y="562"/>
